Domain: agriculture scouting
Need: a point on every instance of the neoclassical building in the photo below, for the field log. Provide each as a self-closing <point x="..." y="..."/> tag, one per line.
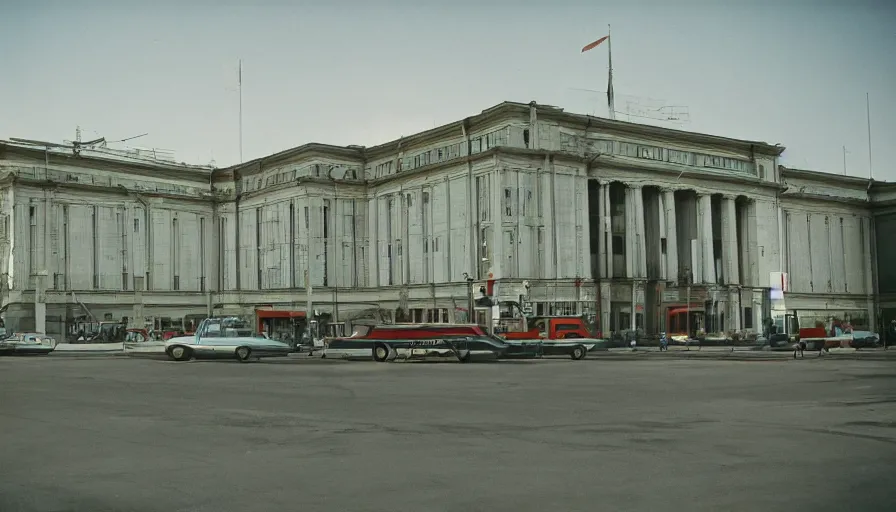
<point x="561" y="212"/>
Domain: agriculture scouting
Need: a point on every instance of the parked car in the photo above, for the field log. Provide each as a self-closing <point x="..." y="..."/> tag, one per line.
<point x="224" y="338"/>
<point x="25" y="343"/>
<point x="865" y="339"/>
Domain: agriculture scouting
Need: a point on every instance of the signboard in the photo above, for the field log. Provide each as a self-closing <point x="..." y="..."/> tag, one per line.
<point x="679" y="295"/>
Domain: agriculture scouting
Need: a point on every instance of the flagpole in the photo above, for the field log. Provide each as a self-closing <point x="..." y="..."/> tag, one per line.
<point x="240" y="87"/>
<point x="611" y="104"/>
<point x="868" y="115"/>
<point x="844" y="160"/>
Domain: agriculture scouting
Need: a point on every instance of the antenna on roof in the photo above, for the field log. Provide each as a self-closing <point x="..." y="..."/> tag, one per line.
<point x="240" y="87"/>
<point x="639" y="107"/>
<point x="130" y="138"/>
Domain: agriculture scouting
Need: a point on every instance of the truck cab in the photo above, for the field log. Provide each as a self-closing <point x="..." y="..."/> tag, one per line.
<point x="547" y="327"/>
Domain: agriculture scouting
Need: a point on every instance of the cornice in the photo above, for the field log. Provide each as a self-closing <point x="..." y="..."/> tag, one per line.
<point x="91" y="162"/>
<point x="582" y="121"/>
<point x="118" y="190"/>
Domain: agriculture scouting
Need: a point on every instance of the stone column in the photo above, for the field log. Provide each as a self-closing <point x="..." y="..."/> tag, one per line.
<point x="40" y="301"/>
<point x="631" y="233"/>
<point x="602" y="232"/>
<point x="729" y="241"/>
<point x="704" y="228"/>
<point x="607" y="222"/>
<point x="138" y="319"/>
<point x="733" y="320"/>
<point x="605" y="301"/>
<point x="640" y="241"/>
<point x="671" y="235"/>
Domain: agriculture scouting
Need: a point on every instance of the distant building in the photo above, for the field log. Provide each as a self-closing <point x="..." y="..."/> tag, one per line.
<point x="602" y="218"/>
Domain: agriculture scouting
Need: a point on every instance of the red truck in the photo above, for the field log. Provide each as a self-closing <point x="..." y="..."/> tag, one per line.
<point x="550" y="328"/>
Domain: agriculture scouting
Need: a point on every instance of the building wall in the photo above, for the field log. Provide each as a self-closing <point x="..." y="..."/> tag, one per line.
<point x="504" y="198"/>
<point x="828" y="231"/>
<point x="885" y="227"/>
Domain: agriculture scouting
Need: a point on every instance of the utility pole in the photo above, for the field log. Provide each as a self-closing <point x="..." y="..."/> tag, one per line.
<point x="689" y="276"/>
<point x="470" y="303"/>
<point x="240" y="87"/>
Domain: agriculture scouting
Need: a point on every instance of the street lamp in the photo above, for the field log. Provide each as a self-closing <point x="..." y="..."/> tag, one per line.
<point x="470" y="303"/>
<point x="689" y="279"/>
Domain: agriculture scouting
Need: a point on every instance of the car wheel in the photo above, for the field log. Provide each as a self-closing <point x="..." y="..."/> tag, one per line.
<point x="380" y="352"/>
<point x="179" y="353"/>
<point x="243" y="354"/>
<point x="579" y="352"/>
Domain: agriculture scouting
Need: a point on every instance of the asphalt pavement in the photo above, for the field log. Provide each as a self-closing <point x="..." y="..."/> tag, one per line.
<point x="133" y="435"/>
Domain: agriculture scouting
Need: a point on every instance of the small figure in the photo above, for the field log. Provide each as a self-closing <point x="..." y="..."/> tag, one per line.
<point x="799" y="348"/>
<point x="664" y="343"/>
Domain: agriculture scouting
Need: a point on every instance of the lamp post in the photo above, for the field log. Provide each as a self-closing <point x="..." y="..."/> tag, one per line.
<point x="689" y="278"/>
<point x="470" y="303"/>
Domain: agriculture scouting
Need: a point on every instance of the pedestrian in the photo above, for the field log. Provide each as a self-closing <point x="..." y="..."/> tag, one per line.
<point x="664" y="343"/>
<point x="799" y="348"/>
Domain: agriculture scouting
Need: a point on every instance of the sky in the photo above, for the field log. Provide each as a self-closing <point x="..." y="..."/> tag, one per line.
<point x="794" y="72"/>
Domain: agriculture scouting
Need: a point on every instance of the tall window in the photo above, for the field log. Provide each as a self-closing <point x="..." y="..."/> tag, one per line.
<point x="175" y="254"/>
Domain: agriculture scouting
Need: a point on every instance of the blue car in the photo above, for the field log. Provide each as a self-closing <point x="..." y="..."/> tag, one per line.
<point x="224" y="338"/>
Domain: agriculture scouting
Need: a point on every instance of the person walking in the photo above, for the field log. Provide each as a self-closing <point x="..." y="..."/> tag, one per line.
<point x="664" y="343"/>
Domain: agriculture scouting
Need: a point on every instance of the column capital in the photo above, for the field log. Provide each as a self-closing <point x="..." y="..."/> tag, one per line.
<point x="634" y="185"/>
<point x="729" y="195"/>
<point x="669" y="188"/>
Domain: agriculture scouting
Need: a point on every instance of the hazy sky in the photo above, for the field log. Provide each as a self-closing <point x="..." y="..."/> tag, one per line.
<point x="342" y="72"/>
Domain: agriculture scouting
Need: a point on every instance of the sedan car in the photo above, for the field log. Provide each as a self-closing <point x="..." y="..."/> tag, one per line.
<point x="224" y="338"/>
<point x="24" y="343"/>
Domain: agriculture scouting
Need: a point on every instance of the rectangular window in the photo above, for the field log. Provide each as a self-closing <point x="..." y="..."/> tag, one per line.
<point x="326" y="238"/>
<point x="222" y="255"/>
<point x="202" y="242"/>
<point x="475" y="146"/>
<point x="175" y="254"/>
<point x="259" y="251"/>
<point x="292" y="245"/>
<point x="618" y="245"/>
<point x="65" y="263"/>
<point x="539" y="253"/>
<point x="482" y="193"/>
<point x="96" y="263"/>
<point x="485" y="251"/>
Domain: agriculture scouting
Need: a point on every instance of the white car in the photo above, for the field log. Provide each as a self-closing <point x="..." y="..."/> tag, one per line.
<point x="25" y="343"/>
<point x="224" y="338"/>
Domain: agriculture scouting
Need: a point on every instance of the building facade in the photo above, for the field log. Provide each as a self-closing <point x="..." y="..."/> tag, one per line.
<point x="566" y="213"/>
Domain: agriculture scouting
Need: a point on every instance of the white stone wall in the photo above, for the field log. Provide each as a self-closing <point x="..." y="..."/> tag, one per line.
<point x="826" y="248"/>
<point x="433" y="209"/>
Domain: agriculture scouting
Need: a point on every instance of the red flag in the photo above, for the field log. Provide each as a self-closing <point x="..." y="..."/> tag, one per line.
<point x="594" y="44"/>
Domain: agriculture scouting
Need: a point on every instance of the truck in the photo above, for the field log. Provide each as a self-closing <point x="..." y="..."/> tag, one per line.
<point x="559" y="335"/>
